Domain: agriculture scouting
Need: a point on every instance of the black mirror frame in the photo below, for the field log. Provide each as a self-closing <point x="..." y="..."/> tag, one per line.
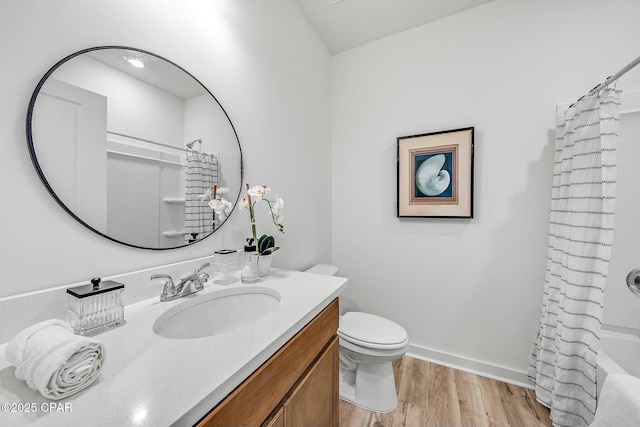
<point x="43" y="179"/>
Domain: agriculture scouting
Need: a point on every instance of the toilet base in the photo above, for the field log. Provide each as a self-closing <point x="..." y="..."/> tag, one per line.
<point x="371" y="386"/>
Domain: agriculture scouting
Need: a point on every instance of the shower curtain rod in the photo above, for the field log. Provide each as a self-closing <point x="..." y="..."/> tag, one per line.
<point x="611" y="79"/>
<point x="616" y="76"/>
<point x="145" y="140"/>
<point x="189" y="145"/>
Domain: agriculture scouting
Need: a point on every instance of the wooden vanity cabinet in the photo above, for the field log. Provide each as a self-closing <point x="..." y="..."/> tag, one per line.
<point x="314" y="400"/>
<point x="297" y="386"/>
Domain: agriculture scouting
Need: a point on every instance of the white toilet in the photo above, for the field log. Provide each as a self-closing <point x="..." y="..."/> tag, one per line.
<point x="368" y="345"/>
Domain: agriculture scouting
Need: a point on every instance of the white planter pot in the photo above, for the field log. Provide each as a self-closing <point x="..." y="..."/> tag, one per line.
<point x="264" y="264"/>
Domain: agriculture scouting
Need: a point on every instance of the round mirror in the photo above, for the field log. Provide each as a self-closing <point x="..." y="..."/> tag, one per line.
<point x="133" y="147"/>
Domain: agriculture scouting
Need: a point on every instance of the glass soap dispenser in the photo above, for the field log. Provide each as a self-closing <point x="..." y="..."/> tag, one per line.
<point x="249" y="269"/>
<point x="95" y="308"/>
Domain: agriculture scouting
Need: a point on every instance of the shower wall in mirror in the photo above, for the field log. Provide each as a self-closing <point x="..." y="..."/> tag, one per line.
<point x="109" y="132"/>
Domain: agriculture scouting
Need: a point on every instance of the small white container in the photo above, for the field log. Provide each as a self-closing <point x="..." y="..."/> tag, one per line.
<point x="225" y="266"/>
<point x="95" y="308"/>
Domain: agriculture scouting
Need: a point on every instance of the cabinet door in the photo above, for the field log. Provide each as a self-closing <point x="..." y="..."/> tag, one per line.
<point x="277" y="420"/>
<point x="314" y="401"/>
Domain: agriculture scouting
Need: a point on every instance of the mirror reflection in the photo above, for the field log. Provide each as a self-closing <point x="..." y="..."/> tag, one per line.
<point x="126" y="141"/>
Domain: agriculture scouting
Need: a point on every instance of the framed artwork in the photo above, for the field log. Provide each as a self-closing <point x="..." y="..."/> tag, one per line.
<point x="435" y="174"/>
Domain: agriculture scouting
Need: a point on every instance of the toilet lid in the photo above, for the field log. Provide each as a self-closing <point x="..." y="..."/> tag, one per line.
<point x="372" y="331"/>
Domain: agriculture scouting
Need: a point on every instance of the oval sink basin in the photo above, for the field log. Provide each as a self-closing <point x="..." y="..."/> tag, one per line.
<point x="217" y="312"/>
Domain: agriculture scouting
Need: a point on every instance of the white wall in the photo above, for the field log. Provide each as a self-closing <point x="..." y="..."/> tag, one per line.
<point x="263" y="62"/>
<point x="470" y="288"/>
<point x="135" y="108"/>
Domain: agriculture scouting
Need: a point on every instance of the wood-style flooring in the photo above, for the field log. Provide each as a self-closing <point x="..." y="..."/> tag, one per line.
<point x="434" y="395"/>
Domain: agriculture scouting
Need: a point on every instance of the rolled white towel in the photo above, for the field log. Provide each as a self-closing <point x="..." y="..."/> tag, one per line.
<point x="53" y="360"/>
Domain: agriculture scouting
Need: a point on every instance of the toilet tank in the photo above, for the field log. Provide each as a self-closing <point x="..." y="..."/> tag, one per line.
<point x="326" y="269"/>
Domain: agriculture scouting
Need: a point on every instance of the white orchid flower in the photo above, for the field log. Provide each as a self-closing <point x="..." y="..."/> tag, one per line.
<point x="244" y="203"/>
<point x="276" y="210"/>
<point x="258" y="192"/>
<point x="206" y="196"/>
<point x="220" y="206"/>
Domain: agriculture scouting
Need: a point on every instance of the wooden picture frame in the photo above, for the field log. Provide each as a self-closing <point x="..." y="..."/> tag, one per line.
<point x="435" y="174"/>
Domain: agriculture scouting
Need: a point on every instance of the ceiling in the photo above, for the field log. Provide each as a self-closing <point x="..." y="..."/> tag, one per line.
<point x="345" y="24"/>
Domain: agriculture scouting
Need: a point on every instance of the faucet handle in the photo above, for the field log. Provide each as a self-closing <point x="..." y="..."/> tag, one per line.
<point x="202" y="276"/>
<point x="161" y="276"/>
<point x="203" y="266"/>
<point x="169" y="288"/>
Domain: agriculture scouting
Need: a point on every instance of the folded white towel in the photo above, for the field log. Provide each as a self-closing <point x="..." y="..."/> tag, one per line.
<point x="619" y="402"/>
<point x="53" y="360"/>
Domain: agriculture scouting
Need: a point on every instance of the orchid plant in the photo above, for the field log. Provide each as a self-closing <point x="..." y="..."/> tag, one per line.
<point x="266" y="244"/>
<point x="221" y="206"/>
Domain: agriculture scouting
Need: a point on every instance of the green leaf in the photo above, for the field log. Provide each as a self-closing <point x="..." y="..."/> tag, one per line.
<point x="270" y="250"/>
<point x="266" y="242"/>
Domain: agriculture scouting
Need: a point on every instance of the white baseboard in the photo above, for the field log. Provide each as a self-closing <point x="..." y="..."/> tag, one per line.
<point x="476" y="367"/>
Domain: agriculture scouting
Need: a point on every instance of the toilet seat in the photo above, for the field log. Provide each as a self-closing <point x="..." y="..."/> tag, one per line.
<point x="371" y="331"/>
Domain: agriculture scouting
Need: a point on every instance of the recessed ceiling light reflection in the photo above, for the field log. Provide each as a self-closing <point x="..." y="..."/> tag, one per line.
<point x="136" y="60"/>
<point x="140" y="415"/>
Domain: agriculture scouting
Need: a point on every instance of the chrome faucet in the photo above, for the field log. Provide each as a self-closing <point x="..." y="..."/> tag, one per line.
<point x="187" y="286"/>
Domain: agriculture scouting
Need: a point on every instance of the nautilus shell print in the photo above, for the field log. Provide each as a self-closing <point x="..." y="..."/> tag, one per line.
<point x="431" y="179"/>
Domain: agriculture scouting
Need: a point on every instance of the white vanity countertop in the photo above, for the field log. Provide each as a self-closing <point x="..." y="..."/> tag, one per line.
<point x="148" y="380"/>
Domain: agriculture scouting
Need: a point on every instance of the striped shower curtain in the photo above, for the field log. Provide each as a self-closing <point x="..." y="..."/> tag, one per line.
<point x="201" y="175"/>
<point x="563" y="362"/>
